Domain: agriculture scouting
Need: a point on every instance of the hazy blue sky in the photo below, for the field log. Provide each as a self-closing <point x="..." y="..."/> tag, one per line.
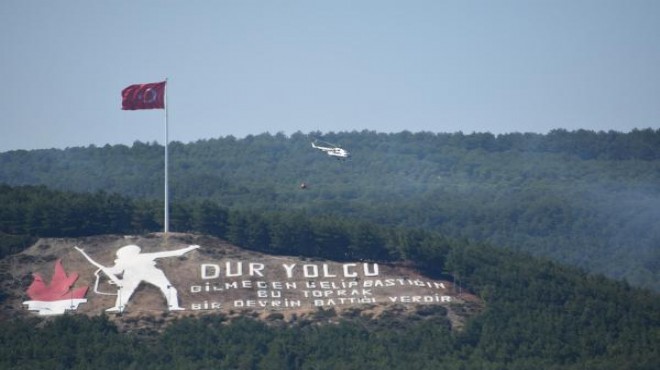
<point x="248" y="67"/>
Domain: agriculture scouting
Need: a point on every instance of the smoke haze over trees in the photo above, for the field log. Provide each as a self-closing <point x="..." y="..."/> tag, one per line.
<point x="537" y="313"/>
<point x="590" y="199"/>
<point x="455" y="206"/>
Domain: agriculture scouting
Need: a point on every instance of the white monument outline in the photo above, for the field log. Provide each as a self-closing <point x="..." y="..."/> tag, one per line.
<point x="132" y="267"/>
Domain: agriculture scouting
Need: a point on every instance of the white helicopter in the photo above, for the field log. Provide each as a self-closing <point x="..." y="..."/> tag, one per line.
<point x="333" y="151"/>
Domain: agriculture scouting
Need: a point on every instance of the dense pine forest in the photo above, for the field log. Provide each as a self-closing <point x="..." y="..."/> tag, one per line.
<point x="535" y="225"/>
<point x="537" y="314"/>
<point x="583" y="198"/>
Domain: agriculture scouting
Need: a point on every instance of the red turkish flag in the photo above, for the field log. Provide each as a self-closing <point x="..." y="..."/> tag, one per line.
<point x="144" y="96"/>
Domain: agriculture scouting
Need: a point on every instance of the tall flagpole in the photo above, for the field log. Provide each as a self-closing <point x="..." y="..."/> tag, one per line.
<point x="167" y="213"/>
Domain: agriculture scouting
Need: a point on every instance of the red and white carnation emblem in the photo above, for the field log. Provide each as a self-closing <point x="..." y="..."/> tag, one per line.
<point x="57" y="296"/>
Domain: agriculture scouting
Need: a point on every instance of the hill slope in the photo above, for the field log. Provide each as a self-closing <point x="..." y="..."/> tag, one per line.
<point x="534" y="314"/>
<point x="219" y="278"/>
<point x="584" y="198"/>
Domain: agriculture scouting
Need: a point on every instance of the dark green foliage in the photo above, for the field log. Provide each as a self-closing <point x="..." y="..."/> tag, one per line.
<point x="10" y="244"/>
<point x="538" y="309"/>
<point x="295" y="234"/>
<point x="437" y="201"/>
<point x="69" y="342"/>
<point x="590" y="199"/>
<point x="38" y="211"/>
<point x="538" y="315"/>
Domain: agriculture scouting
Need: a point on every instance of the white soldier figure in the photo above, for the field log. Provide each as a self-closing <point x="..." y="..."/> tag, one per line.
<point x="132" y="267"/>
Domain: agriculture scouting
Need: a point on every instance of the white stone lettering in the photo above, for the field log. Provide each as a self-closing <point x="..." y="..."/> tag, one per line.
<point x="255" y="269"/>
<point x="239" y="269"/>
<point x="348" y="270"/>
<point x="213" y="271"/>
<point x="269" y="293"/>
<point x="206" y="305"/>
<point x="266" y="303"/>
<point x="310" y="271"/>
<point x="373" y="272"/>
<point x="210" y="271"/>
<point x="327" y="273"/>
<point x="289" y="269"/>
<point x="421" y="299"/>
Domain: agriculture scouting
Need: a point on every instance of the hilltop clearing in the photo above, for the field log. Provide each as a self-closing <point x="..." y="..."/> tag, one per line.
<point x="222" y="279"/>
<point x="587" y="199"/>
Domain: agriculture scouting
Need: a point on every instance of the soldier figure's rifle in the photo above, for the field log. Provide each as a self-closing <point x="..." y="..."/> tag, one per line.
<point x="113" y="278"/>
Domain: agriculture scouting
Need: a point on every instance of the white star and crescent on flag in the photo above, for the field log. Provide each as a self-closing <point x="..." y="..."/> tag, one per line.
<point x="144" y="96"/>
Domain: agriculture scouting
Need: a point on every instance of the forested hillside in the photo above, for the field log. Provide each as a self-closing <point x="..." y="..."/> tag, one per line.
<point x="590" y="199"/>
<point x="537" y="314"/>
